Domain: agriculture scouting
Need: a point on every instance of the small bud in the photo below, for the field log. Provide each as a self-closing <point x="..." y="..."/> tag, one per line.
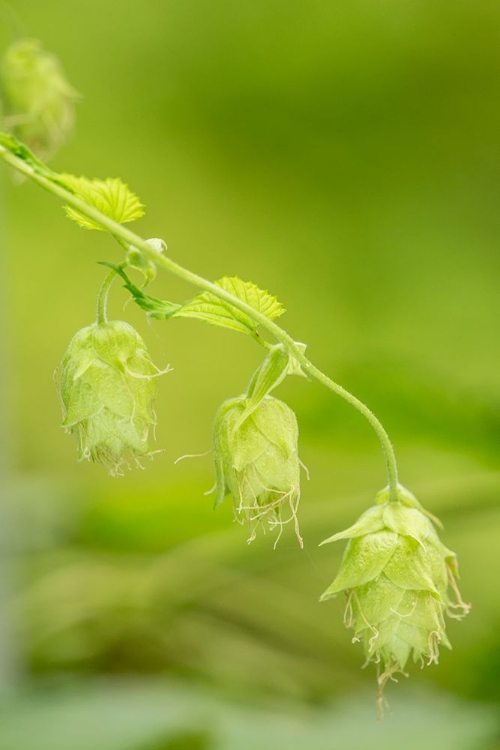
<point x="136" y="258"/>
<point x="108" y="388"/>
<point x="40" y="101"/>
<point x="400" y="582"/>
<point x="256" y="460"/>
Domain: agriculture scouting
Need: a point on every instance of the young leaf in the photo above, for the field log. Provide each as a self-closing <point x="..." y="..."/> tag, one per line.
<point x="250" y="293"/>
<point x="208" y="307"/>
<point x="217" y="312"/>
<point x="111" y="197"/>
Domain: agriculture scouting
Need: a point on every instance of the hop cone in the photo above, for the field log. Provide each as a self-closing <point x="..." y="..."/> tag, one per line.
<point x="400" y="582"/>
<point x="108" y="388"/>
<point x="39" y="100"/>
<point x="256" y="460"/>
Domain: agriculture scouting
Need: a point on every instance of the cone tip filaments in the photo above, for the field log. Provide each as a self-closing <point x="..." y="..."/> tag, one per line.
<point x="400" y="582"/>
<point x="108" y="388"/>
<point x="256" y="461"/>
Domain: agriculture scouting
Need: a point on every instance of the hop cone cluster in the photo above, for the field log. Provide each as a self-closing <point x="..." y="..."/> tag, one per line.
<point x="39" y="100"/>
<point x="256" y="460"/>
<point x="400" y="582"/>
<point x="108" y="388"/>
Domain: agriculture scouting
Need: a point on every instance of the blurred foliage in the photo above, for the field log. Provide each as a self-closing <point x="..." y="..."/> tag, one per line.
<point x="163" y="715"/>
<point x="345" y="157"/>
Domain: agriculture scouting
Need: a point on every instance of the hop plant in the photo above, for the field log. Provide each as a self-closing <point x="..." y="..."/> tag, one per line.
<point x="399" y="579"/>
<point x="39" y="100"/>
<point x="256" y="460"/>
<point x="400" y="582"/>
<point x="108" y="388"/>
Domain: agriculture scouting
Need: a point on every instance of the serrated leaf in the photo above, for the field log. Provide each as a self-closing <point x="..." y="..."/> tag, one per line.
<point x="111" y="197"/>
<point x="250" y="293"/>
<point x="210" y="308"/>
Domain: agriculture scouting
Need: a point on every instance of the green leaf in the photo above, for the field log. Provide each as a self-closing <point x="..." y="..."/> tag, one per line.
<point x="111" y="197"/>
<point x="210" y="308"/>
<point x="250" y="293"/>
<point x="207" y="306"/>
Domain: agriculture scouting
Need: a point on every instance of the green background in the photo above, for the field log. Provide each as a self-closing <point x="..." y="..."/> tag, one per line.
<point x="345" y="156"/>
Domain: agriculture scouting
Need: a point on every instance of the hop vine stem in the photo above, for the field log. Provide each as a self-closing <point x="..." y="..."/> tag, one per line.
<point x="48" y="181"/>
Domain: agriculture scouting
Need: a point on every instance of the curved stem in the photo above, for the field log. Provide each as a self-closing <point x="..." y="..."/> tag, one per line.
<point x="385" y="442"/>
<point x="102" y="298"/>
<point x="125" y="237"/>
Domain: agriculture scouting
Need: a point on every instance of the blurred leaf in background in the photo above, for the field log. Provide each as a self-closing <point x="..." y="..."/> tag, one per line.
<point x="151" y="715"/>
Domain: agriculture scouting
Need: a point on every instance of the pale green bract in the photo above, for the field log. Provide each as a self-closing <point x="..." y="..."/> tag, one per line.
<point x="39" y="100"/>
<point x="111" y="197"/>
<point x="400" y="582"/>
<point x="108" y="389"/>
<point x="256" y="460"/>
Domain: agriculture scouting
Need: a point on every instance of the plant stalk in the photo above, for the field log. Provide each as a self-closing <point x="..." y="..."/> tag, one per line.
<point x="102" y="299"/>
<point x="128" y="238"/>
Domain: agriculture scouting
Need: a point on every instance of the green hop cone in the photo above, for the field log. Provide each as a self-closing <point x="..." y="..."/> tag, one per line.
<point x="400" y="582"/>
<point x="256" y="460"/>
<point x="108" y="388"/>
<point x="39" y="100"/>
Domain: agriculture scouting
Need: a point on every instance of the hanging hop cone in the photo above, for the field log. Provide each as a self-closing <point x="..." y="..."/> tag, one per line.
<point x="256" y="460"/>
<point x="400" y="582"/>
<point x="39" y="100"/>
<point x="108" y="388"/>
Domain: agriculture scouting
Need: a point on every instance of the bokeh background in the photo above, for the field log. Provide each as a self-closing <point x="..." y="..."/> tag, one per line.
<point x="346" y="157"/>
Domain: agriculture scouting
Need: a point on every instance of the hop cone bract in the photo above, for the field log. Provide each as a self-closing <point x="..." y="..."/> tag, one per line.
<point x="108" y="389"/>
<point x="40" y="102"/>
<point x="256" y="460"/>
<point x="400" y="582"/>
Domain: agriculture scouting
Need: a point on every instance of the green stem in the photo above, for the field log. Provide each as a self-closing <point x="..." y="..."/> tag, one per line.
<point x="127" y="238"/>
<point x="102" y="299"/>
